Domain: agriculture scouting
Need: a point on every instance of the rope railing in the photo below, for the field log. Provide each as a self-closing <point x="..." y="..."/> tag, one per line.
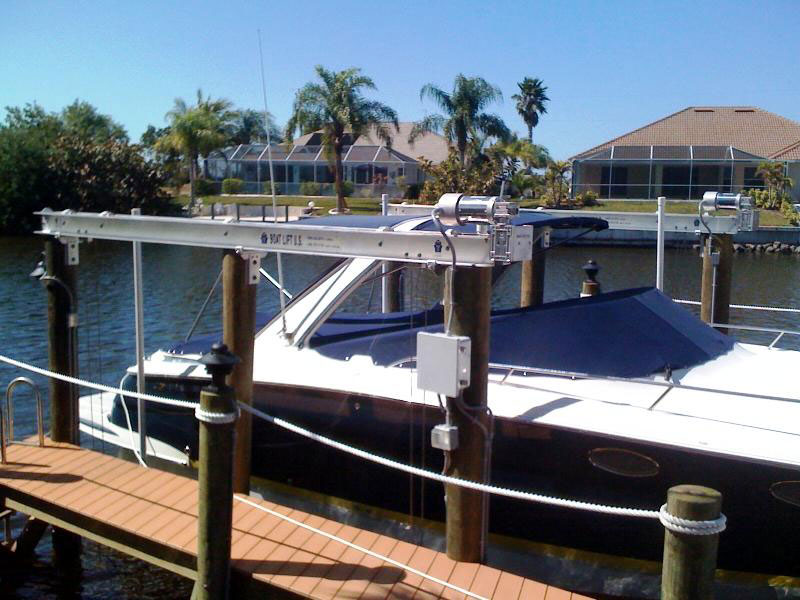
<point x="747" y="306"/>
<point x="473" y="485"/>
<point x="98" y="386"/>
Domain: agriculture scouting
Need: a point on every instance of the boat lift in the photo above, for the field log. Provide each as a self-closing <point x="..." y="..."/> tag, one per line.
<point x="495" y="241"/>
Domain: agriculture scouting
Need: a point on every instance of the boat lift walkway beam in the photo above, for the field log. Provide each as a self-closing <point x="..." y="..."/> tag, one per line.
<point x="473" y="249"/>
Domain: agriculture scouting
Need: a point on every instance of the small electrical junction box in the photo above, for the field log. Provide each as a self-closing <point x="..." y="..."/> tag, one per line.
<point x="443" y="363"/>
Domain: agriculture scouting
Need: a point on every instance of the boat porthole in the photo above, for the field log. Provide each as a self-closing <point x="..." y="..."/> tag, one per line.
<point x="786" y="491"/>
<point x="626" y="463"/>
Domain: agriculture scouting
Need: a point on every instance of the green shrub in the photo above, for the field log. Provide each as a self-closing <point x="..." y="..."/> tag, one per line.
<point x="232" y="186"/>
<point x="788" y="211"/>
<point x="411" y="192"/>
<point x="587" y="198"/>
<point x="767" y="199"/>
<point x="348" y="188"/>
<point x="310" y="188"/>
<point x="206" y="187"/>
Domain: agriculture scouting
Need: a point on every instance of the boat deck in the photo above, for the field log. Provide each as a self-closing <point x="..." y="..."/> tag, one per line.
<point x="152" y="515"/>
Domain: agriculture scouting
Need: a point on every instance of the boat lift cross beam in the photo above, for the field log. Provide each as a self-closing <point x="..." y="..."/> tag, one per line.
<point x="473" y="249"/>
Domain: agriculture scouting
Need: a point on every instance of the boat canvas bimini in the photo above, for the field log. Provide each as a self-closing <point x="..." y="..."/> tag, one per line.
<point x="608" y="399"/>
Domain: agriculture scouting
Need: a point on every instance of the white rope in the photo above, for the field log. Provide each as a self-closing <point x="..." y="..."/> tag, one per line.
<point x="97" y="386"/>
<point x="215" y="418"/>
<point x="134" y="449"/>
<point x="689" y="527"/>
<point x="366" y="551"/>
<point x="473" y="485"/>
<point x="747" y="306"/>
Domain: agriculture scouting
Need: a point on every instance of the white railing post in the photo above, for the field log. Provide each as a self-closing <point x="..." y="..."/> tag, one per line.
<point x="660" y="244"/>
<point x="138" y="299"/>
<point x="385" y="304"/>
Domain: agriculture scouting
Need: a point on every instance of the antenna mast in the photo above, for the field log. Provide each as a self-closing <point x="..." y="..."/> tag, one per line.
<point x="272" y="182"/>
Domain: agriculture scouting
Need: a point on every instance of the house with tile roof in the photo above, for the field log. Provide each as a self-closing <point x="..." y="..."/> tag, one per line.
<point x="369" y="164"/>
<point x="683" y="155"/>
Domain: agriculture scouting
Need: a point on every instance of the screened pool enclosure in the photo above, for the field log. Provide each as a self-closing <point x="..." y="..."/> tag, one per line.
<point x="677" y="172"/>
<point x="371" y="169"/>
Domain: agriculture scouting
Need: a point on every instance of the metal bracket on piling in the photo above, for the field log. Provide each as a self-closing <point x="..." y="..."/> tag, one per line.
<point x="73" y="255"/>
<point x="253" y="260"/>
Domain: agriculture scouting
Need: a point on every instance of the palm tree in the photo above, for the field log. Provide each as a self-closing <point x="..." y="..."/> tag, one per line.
<point x="556" y="180"/>
<point x="463" y="122"/>
<point x="775" y="179"/>
<point x="531" y="102"/>
<point x="515" y="153"/>
<point x="197" y="130"/>
<point x="248" y="127"/>
<point x="335" y="105"/>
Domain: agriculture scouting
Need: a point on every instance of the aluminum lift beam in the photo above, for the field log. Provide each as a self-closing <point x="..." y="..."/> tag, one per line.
<point x="672" y="222"/>
<point x="404" y="246"/>
<point x="632" y="221"/>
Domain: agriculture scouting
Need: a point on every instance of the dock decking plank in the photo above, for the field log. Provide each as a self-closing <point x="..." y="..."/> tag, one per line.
<point x="160" y="510"/>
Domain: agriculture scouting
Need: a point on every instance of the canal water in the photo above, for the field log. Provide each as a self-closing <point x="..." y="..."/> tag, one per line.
<point x="177" y="280"/>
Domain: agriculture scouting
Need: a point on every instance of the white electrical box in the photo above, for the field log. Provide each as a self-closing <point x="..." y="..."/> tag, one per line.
<point x="443" y="363"/>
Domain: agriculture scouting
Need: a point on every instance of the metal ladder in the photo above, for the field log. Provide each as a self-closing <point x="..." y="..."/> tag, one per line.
<point x="7" y="437"/>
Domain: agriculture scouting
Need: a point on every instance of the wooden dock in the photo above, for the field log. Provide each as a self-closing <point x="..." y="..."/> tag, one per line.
<point x="152" y="515"/>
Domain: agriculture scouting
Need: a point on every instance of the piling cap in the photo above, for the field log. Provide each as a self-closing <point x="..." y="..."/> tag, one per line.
<point x="219" y="362"/>
<point x="591" y="269"/>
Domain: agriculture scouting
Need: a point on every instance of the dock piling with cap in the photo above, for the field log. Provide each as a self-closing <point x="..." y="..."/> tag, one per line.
<point x="60" y="280"/>
<point x="217" y="414"/>
<point x="690" y="558"/>
<point x="590" y="285"/>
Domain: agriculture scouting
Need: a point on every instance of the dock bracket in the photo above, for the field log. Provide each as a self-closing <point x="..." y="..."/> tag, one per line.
<point x="253" y="260"/>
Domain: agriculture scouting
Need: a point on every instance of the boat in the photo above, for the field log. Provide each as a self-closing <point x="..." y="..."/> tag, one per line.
<point x="609" y="399"/>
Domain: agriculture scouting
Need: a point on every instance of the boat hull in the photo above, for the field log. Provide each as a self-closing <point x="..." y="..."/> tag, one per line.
<point x="761" y="534"/>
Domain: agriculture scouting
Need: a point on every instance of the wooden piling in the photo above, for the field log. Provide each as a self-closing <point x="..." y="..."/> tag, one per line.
<point x="391" y="301"/>
<point x="238" y="333"/>
<point x="717" y="290"/>
<point x="467" y="517"/>
<point x="690" y="560"/>
<point x="590" y="285"/>
<point x="217" y="417"/>
<point x="531" y="288"/>
<point x="62" y="342"/>
<point x="62" y="336"/>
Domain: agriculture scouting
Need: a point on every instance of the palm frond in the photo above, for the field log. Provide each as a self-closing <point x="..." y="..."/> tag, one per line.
<point x="439" y="96"/>
<point x="429" y="124"/>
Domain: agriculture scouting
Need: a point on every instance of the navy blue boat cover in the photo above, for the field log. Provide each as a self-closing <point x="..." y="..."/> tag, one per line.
<point x="535" y="218"/>
<point x="630" y="333"/>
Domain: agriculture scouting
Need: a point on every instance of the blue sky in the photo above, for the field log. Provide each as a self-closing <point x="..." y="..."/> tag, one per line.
<point x="610" y="66"/>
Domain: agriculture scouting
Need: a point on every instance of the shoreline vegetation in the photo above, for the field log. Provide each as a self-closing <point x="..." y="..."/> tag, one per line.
<point x="83" y="160"/>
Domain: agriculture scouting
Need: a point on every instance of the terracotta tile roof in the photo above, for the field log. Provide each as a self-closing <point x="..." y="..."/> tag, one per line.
<point x="748" y="128"/>
<point x="791" y="152"/>
<point x="431" y="145"/>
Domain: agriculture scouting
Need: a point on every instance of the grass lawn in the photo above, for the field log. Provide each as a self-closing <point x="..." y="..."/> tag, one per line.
<point x="372" y="206"/>
<point x="358" y="206"/>
<point x="767" y="218"/>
